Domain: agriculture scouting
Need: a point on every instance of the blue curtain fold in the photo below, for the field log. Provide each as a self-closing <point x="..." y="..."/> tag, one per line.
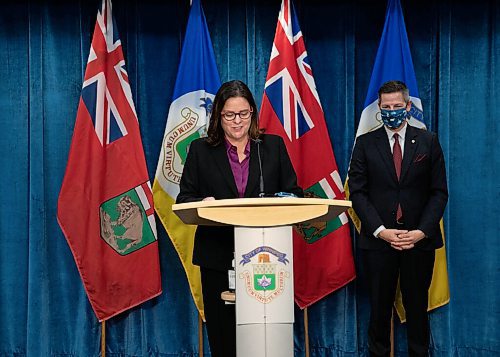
<point x="44" y="47"/>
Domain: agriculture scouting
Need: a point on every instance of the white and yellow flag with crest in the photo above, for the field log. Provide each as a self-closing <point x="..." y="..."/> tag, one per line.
<point x="195" y="87"/>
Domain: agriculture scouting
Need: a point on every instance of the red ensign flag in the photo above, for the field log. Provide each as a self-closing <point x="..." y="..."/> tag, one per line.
<point x="291" y="108"/>
<point x="105" y="206"/>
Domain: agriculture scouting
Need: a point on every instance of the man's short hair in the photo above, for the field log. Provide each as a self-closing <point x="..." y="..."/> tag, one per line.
<point x="393" y="87"/>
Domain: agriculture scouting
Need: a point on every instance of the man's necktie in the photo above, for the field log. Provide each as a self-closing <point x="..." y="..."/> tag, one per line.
<point x="397" y="156"/>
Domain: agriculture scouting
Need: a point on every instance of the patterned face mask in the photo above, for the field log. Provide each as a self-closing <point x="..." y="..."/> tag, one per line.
<point x="393" y="118"/>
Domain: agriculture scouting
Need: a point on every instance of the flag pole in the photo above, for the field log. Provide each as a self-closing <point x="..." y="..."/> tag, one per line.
<point x="103" y="339"/>
<point x="200" y="335"/>
<point x="392" y="333"/>
<point x="306" y="331"/>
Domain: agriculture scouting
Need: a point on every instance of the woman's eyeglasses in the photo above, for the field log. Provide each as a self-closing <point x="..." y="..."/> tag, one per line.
<point x="244" y="115"/>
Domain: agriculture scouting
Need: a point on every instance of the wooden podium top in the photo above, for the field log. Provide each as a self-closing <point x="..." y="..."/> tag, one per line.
<point x="260" y="212"/>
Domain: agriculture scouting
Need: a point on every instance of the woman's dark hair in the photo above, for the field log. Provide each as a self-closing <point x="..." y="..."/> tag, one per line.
<point x="228" y="90"/>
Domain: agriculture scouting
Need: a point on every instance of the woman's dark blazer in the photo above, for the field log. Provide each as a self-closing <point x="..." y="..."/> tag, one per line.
<point x="207" y="173"/>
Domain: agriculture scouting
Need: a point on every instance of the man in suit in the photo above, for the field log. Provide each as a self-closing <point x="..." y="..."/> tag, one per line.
<point x="228" y="164"/>
<point x="397" y="183"/>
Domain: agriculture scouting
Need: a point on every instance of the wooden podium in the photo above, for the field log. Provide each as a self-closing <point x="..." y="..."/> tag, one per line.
<point x="263" y="262"/>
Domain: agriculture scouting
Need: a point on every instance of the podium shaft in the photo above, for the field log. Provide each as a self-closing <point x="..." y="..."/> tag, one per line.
<point x="264" y="291"/>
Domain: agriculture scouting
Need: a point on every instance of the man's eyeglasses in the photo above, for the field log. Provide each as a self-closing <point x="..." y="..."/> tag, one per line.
<point x="244" y="115"/>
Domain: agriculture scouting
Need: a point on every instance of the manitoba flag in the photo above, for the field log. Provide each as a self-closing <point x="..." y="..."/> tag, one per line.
<point x="291" y="108"/>
<point x="105" y="207"/>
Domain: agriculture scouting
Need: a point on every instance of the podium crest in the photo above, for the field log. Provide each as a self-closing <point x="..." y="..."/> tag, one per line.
<point x="267" y="279"/>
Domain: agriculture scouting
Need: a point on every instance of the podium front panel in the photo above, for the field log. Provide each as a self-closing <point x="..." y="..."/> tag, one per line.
<point x="264" y="340"/>
<point x="264" y="275"/>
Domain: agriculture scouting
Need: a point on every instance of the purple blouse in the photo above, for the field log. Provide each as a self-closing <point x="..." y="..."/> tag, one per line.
<point x="240" y="169"/>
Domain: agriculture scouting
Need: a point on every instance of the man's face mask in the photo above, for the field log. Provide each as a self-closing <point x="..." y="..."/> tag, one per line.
<point x="393" y="118"/>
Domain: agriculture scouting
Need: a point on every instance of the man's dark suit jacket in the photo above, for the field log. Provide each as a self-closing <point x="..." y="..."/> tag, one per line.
<point x="375" y="191"/>
<point x="207" y="173"/>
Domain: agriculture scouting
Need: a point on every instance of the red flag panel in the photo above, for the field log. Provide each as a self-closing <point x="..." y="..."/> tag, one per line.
<point x="105" y="206"/>
<point x="291" y="108"/>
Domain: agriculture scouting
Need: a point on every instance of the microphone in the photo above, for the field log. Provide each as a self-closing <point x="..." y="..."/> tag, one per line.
<point x="261" y="181"/>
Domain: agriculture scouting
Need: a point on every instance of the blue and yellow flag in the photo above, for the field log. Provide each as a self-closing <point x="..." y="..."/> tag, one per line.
<point x="195" y="87"/>
<point x="393" y="62"/>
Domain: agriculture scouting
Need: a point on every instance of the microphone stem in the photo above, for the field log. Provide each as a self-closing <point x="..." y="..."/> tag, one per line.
<point x="261" y="183"/>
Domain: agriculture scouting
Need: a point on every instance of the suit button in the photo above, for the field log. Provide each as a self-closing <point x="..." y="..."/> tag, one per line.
<point x="393" y="213"/>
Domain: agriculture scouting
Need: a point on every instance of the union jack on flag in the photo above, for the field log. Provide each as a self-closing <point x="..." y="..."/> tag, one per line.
<point x="106" y="89"/>
<point x="290" y="85"/>
<point x="291" y="108"/>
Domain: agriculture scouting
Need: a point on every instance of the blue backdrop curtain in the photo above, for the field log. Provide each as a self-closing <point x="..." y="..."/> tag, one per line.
<point x="44" y="47"/>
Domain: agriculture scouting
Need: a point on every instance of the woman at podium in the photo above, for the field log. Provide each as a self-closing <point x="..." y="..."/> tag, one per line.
<point x="235" y="160"/>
